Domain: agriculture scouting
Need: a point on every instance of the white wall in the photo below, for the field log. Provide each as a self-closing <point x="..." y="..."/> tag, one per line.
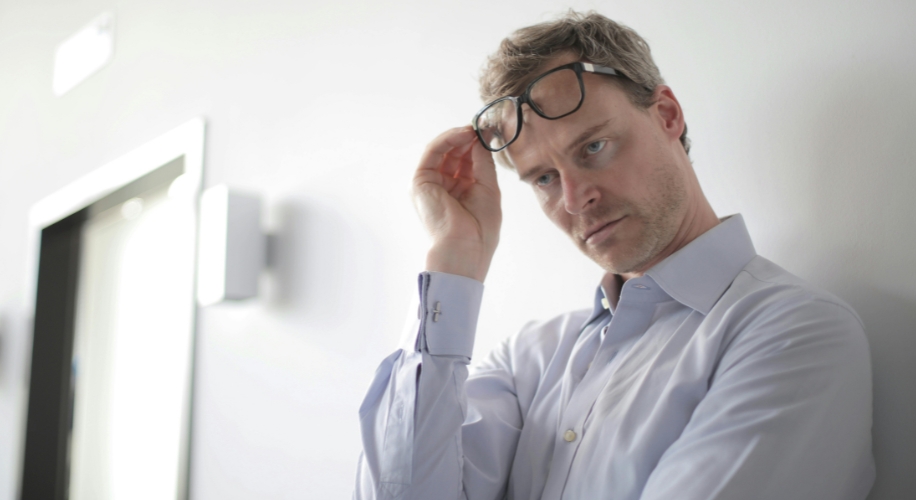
<point x="801" y="114"/>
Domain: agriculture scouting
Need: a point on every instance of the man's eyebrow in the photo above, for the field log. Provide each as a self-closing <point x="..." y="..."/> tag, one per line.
<point x="532" y="172"/>
<point x="529" y="174"/>
<point x="586" y="134"/>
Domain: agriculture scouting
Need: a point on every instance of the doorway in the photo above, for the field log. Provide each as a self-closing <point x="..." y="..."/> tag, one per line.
<point x="111" y="377"/>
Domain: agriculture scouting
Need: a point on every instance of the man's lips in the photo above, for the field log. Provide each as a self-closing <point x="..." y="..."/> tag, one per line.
<point x="599" y="231"/>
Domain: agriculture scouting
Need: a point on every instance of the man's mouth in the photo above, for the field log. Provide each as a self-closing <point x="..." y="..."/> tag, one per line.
<point x="599" y="232"/>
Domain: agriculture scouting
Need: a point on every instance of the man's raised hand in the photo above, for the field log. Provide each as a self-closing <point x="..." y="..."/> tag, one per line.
<point x="457" y="197"/>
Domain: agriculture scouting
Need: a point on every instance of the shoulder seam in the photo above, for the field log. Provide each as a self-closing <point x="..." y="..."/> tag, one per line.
<point x="818" y="297"/>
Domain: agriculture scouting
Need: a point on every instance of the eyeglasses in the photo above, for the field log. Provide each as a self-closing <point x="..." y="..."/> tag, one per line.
<point x="553" y="95"/>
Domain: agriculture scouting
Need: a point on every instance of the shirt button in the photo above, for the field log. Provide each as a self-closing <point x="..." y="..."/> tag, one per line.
<point x="569" y="436"/>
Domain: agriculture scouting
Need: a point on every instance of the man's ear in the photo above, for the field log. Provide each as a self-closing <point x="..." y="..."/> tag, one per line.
<point x="671" y="117"/>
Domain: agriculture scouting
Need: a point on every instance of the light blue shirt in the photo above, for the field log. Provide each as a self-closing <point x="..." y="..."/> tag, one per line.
<point x="717" y="375"/>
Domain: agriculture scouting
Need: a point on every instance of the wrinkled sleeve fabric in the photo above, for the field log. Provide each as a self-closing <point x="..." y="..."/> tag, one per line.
<point x="787" y="414"/>
<point x="423" y="436"/>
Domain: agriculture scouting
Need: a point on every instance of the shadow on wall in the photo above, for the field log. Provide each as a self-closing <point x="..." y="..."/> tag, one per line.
<point x="15" y="335"/>
<point x="4" y="333"/>
<point x="15" y="358"/>
<point x="865" y="171"/>
<point x="323" y="262"/>
<point x="890" y="321"/>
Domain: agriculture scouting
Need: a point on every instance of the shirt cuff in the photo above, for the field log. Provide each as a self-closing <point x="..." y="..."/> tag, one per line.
<point x="449" y="306"/>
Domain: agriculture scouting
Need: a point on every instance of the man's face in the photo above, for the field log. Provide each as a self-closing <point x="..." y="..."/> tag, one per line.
<point x="610" y="175"/>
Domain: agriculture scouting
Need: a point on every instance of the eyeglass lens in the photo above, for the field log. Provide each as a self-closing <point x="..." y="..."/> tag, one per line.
<point x="553" y="95"/>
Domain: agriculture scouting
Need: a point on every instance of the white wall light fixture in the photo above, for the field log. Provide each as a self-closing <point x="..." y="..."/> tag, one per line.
<point x="233" y="247"/>
<point x="84" y="53"/>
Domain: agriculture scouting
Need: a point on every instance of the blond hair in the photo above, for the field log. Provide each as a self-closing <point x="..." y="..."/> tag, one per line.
<point x="592" y="38"/>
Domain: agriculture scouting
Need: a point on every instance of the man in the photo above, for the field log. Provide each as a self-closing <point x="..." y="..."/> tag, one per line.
<point x="702" y="371"/>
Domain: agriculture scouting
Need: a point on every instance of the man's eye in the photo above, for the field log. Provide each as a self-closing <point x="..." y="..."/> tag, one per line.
<point x="594" y="147"/>
<point x="543" y="180"/>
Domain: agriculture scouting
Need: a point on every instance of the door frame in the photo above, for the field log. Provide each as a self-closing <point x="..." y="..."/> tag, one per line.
<point x="55" y="224"/>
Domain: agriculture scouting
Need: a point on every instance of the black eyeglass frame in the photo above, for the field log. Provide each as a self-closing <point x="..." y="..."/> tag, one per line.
<point x="579" y="67"/>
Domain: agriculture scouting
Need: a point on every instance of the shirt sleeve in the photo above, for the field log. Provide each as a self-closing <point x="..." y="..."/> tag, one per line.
<point x="787" y="415"/>
<point x="423" y="437"/>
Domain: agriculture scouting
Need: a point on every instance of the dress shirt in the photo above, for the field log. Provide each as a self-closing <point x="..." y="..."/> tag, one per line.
<point x="716" y="375"/>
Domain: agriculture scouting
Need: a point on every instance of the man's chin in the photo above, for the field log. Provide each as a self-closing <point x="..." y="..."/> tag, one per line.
<point x="619" y="262"/>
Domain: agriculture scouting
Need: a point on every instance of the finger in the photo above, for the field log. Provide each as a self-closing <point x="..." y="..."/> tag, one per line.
<point x="463" y="178"/>
<point x="466" y="172"/>
<point x="440" y="146"/>
<point x="465" y="165"/>
<point x="484" y="170"/>
<point x="453" y="164"/>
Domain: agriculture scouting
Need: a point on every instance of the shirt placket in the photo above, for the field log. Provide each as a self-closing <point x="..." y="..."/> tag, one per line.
<point x="633" y="314"/>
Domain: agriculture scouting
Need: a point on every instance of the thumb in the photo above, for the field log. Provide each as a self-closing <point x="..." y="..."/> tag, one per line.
<point x="484" y="169"/>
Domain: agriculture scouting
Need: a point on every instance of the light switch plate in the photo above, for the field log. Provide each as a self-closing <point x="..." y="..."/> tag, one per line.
<point x="232" y="245"/>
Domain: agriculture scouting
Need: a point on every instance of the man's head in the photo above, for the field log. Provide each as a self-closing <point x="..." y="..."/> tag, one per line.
<point x="614" y="175"/>
<point x="588" y="37"/>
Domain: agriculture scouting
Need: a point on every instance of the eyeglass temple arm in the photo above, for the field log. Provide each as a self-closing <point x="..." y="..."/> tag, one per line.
<point x="604" y="70"/>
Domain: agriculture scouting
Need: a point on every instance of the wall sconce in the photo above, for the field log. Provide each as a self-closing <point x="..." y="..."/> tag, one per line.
<point x="232" y="246"/>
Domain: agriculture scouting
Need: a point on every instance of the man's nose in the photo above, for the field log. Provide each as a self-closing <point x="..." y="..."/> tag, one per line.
<point x="579" y="192"/>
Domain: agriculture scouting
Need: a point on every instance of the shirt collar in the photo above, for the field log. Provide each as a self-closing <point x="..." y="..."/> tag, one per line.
<point x="700" y="272"/>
